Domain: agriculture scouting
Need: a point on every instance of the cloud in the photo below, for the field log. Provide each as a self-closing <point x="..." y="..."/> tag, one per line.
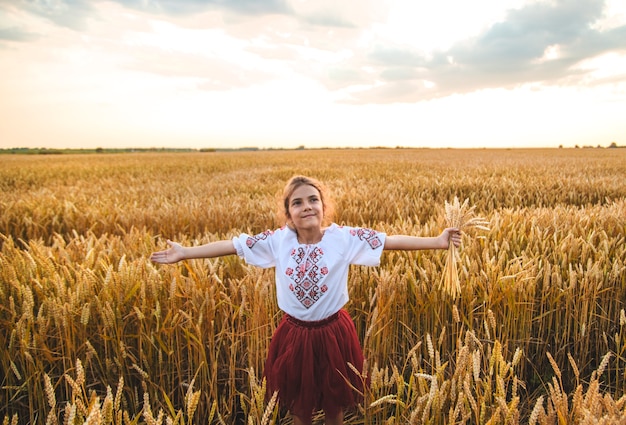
<point x="74" y="14"/>
<point x="182" y="7"/>
<point x="65" y="13"/>
<point x="207" y="73"/>
<point x="336" y="44"/>
<point x="541" y="42"/>
<point x="15" y="33"/>
<point x="328" y="19"/>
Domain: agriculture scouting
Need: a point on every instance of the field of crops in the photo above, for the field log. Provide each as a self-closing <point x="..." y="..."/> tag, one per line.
<point x="94" y="332"/>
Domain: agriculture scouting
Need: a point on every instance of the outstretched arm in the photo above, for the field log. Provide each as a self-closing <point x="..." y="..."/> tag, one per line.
<point x="177" y="252"/>
<point x="410" y="243"/>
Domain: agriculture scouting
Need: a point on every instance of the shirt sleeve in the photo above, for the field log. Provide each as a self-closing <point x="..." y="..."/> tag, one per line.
<point x="365" y="246"/>
<point x="257" y="250"/>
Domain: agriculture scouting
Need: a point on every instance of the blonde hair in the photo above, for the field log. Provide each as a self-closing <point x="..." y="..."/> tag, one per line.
<point x="297" y="181"/>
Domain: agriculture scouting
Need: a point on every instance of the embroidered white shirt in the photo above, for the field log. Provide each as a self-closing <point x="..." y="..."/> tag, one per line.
<point x="312" y="280"/>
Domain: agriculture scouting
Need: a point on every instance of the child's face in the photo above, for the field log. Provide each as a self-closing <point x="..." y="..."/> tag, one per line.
<point x="306" y="209"/>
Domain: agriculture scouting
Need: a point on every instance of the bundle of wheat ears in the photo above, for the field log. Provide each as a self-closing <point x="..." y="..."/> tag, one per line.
<point x="460" y="216"/>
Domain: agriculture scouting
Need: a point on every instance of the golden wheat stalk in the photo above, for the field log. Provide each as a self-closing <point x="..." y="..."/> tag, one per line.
<point x="462" y="217"/>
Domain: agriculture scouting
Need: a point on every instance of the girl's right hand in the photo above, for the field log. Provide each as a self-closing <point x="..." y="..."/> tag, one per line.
<point x="172" y="255"/>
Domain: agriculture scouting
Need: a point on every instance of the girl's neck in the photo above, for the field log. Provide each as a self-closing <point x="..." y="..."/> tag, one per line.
<point x="309" y="237"/>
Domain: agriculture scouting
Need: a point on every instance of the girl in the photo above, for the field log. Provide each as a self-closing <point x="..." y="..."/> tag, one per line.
<point x="309" y="353"/>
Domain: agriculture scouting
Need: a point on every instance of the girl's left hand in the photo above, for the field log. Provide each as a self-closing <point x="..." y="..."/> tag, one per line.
<point x="450" y="234"/>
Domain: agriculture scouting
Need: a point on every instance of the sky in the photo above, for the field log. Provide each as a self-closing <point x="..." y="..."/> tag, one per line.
<point x="323" y="73"/>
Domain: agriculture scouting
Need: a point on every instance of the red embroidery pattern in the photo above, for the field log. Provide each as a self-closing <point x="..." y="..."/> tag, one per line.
<point x="368" y="235"/>
<point x="307" y="275"/>
<point x="252" y="240"/>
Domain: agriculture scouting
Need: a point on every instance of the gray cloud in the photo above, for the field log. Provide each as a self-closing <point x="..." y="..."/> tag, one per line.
<point x="74" y="14"/>
<point x="66" y="13"/>
<point x="508" y="54"/>
<point x="15" y="33"/>
<point x="522" y="39"/>
<point x="181" y="7"/>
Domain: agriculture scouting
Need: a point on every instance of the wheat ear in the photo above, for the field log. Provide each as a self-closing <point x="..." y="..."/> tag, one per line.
<point x="462" y="217"/>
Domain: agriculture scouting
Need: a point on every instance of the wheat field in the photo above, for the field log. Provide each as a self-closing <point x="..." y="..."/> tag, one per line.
<point x="96" y="333"/>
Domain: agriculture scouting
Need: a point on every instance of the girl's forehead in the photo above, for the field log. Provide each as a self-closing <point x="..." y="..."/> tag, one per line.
<point x="304" y="191"/>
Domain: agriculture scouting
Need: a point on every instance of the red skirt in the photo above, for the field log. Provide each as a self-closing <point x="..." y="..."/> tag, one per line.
<point x="307" y="364"/>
